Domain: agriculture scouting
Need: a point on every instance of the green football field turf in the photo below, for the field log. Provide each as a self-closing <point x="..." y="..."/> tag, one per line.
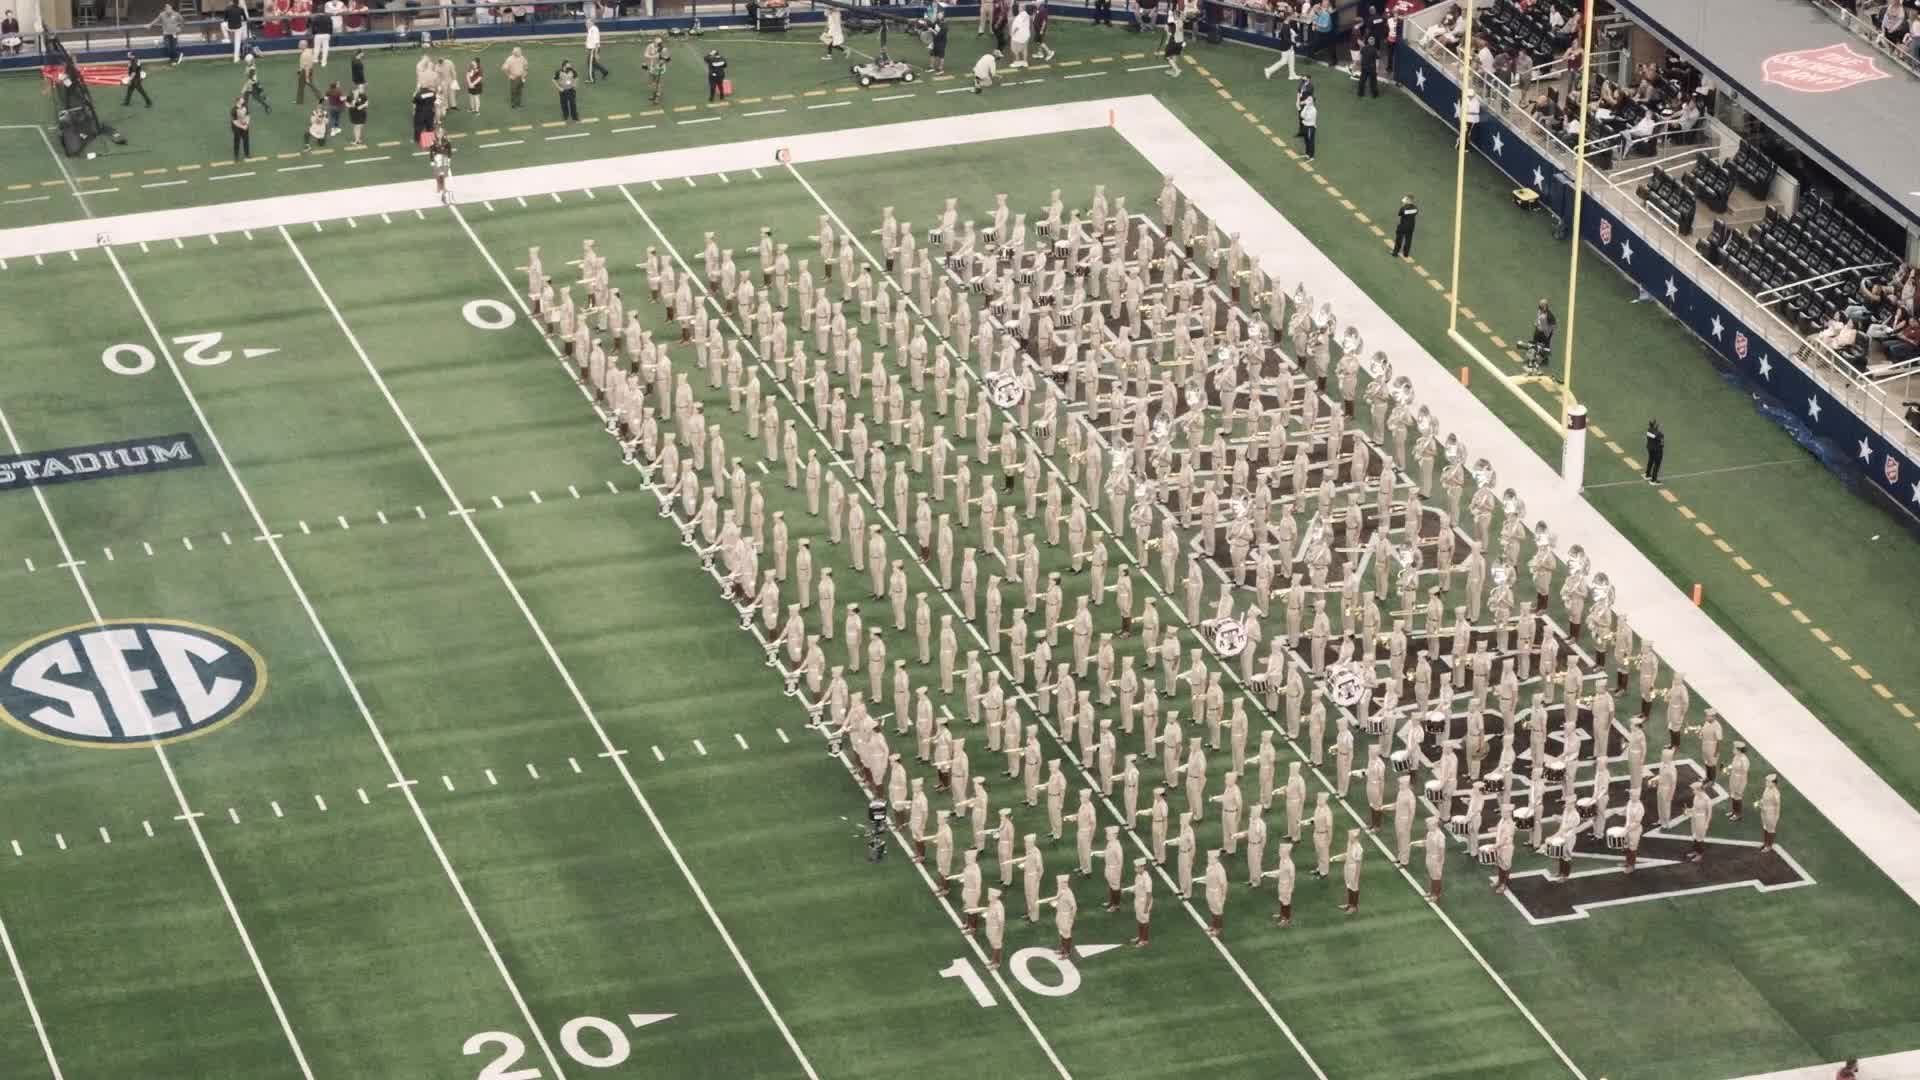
<point x="1810" y="578"/>
<point x="527" y="882"/>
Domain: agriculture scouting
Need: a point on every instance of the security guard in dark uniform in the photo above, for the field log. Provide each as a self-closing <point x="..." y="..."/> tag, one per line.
<point x="1403" y="222"/>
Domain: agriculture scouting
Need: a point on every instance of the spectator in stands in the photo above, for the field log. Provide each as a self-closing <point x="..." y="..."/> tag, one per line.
<point x="1906" y="346"/>
<point x="1689" y="122"/>
<point x="1838" y="335"/>
<point x="1447" y="30"/>
<point x="10" y="42"/>
<point x="1323" y="35"/>
<point x="1893" y="23"/>
<point x="1641" y="134"/>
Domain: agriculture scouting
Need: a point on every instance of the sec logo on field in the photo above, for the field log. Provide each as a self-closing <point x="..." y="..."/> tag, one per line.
<point x="129" y="682"/>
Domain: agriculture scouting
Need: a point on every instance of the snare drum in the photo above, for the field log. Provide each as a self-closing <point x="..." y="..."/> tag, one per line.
<point x="1523" y="817"/>
<point x="1376" y="725"/>
<point x="1557" y="849"/>
<point x="1556" y="769"/>
<point x="1060" y="249"/>
<point x="1585" y="805"/>
<point x="1490" y="783"/>
<point x="1400" y="761"/>
<point x="1485" y="855"/>
<point x="1436" y="724"/>
<point x="1617" y="837"/>
<point x="1433" y="791"/>
<point x="1459" y="826"/>
<point x="933" y="237"/>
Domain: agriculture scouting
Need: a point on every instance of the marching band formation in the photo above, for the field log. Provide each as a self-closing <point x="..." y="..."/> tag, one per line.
<point x="1134" y="526"/>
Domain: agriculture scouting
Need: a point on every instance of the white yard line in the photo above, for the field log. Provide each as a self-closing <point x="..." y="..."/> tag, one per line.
<point x="65" y="174"/>
<point x="187" y="813"/>
<point x="1219" y="945"/>
<point x="326" y="640"/>
<point x="559" y="665"/>
<point x="1005" y="990"/>
<point x="502" y="184"/>
<point x="33" y="1011"/>
<point x="1816" y="765"/>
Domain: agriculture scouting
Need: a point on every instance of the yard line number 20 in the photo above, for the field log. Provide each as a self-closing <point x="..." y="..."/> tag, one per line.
<point x="593" y="1041"/>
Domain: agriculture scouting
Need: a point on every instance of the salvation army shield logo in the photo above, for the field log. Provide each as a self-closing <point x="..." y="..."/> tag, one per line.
<point x="1606" y="231"/>
<point x="1891" y="469"/>
<point x="1740" y="345"/>
<point x="1821" y="71"/>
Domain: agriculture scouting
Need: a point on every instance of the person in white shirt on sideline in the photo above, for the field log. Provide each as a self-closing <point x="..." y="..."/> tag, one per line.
<point x="595" y="69"/>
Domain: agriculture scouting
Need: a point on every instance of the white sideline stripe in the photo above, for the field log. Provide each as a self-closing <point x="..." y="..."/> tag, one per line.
<point x="20" y="979"/>
<point x="1884" y="1067"/>
<point x="173" y="782"/>
<point x="1808" y="756"/>
<point x="413" y="195"/>
<point x="1006" y="991"/>
<point x="560" y="666"/>
<point x="1220" y="946"/>
<point x="326" y="640"/>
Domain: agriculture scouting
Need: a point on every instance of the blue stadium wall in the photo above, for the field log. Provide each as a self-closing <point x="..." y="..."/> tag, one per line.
<point x="1781" y="390"/>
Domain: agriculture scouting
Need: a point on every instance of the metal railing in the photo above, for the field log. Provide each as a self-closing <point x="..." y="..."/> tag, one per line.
<point x="1860" y="392"/>
<point x="1870" y="33"/>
